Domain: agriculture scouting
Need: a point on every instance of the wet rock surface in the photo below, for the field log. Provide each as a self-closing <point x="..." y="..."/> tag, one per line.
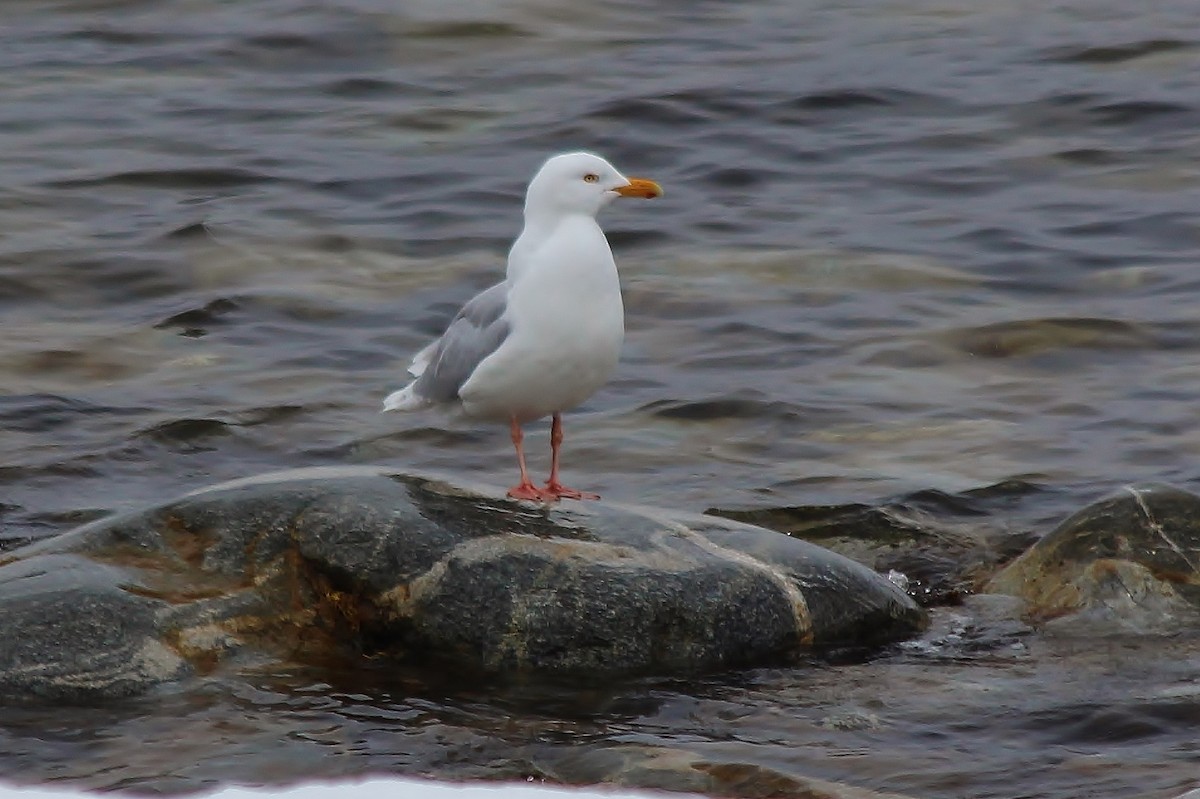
<point x="1130" y="562"/>
<point x="71" y="630"/>
<point x="345" y="563"/>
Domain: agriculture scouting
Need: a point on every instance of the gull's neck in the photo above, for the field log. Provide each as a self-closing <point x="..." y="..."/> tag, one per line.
<point x="539" y="226"/>
<point x="546" y="216"/>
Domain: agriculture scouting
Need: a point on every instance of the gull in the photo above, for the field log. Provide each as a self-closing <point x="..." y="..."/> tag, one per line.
<point x="542" y="340"/>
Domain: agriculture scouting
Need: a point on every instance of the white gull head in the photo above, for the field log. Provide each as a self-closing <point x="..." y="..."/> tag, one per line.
<point x="580" y="183"/>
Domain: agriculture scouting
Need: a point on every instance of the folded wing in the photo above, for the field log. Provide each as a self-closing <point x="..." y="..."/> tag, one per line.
<point x="475" y="333"/>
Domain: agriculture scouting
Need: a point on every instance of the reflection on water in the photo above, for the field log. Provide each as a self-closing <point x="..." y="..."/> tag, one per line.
<point x="905" y="246"/>
<point x="971" y="710"/>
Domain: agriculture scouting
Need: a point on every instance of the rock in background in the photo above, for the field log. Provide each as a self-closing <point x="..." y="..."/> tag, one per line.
<point x="1128" y="563"/>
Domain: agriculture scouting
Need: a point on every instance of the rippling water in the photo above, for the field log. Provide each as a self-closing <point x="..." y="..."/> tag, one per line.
<point x="929" y="244"/>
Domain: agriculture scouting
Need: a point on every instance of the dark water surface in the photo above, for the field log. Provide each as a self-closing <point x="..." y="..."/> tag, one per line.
<point x="934" y="244"/>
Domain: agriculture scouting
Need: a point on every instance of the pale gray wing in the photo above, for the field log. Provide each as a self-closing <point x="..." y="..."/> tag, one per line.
<point x="476" y="332"/>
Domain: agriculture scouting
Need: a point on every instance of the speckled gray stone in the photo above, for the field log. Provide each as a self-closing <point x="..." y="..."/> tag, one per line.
<point x="69" y="631"/>
<point x="362" y="561"/>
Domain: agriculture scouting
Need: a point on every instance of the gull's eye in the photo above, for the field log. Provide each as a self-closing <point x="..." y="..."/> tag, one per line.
<point x="591" y="177"/>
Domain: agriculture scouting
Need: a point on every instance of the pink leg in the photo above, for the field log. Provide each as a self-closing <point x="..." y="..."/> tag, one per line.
<point x="553" y="487"/>
<point x="525" y="489"/>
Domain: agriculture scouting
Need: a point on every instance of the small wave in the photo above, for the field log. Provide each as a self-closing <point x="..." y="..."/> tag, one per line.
<point x="1090" y="156"/>
<point x="363" y="88"/>
<point x="718" y="408"/>
<point x="651" y="110"/>
<point x="39" y="413"/>
<point x="1115" y="54"/>
<point x="195" y="322"/>
<point x="468" y="29"/>
<point x="185" y="431"/>
<point x="1028" y="337"/>
<point x="854" y="99"/>
<point x="1131" y="111"/>
<point x="73" y="469"/>
<point x="194" y="230"/>
<point x="196" y="178"/>
<point x="124" y="38"/>
<point x="848" y="98"/>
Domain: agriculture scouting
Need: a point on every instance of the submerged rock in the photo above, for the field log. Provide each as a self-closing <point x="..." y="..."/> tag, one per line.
<point x="941" y="543"/>
<point x="669" y="769"/>
<point x="1130" y="562"/>
<point x="345" y="563"/>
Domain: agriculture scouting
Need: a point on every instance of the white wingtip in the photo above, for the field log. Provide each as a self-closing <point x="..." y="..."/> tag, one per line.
<point x="421" y="360"/>
<point x="404" y="400"/>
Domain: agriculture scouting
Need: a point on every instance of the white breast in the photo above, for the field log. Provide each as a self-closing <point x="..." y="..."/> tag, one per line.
<point x="567" y="321"/>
